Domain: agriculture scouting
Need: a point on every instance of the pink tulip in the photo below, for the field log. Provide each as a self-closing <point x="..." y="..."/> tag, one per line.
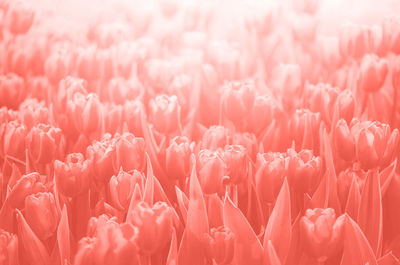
<point x="12" y="90"/>
<point x="43" y="141"/>
<point x="122" y="187"/>
<point x="372" y="75"/>
<point x="129" y="152"/>
<point x="221" y="245"/>
<point x="8" y="248"/>
<point x="165" y="113"/>
<point x="211" y="171"/>
<point x="178" y="158"/>
<point x="20" y="16"/>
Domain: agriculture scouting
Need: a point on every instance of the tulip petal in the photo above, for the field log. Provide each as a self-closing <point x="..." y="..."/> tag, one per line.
<point x="271" y="255"/>
<point x="63" y="238"/>
<point x="248" y="249"/>
<point x="33" y="248"/>
<point x="386" y="176"/>
<point x="183" y="203"/>
<point x="353" y="200"/>
<point x="279" y="228"/>
<point x="357" y="250"/>
<point x="173" y="251"/>
<point x="370" y="212"/>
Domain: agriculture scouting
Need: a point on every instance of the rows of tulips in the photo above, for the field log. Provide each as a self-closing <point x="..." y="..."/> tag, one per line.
<point x="160" y="133"/>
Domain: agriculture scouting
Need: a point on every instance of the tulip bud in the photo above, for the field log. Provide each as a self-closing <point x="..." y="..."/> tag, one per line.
<point x="41" y="214"/>
<point x="85" y="253"/>
<point x="262" y="113"/>
<point x="237" y="163"/>
<point x="120" y="90"/>
<point x="101" y="153"/>
<point x="154" y="224"/>
<point x="122" y="187"/>
<point x="28" y="184"/>
<point x="178" y="158"/>
<point x="72" y="176"/>
<point x="13" y="140"/>
<point x="211" y="171"/>
<point x="165" y="113"/>
<point x="345" y="105"/>
<point x="321" y="98"/>
<point x="322" y="233"/>
<point x="304" y="169"/>
<point x="129" y="153"/>
<point x="372" y="74"/>
<point x="19" y="17"/>
<point x="85" y="113"/>
<point x="131" y="115"/>
<point x="12" y="90"/>
<point x="43" y="141"/>
<point x="57" y="66"/>
<point x="113" y="118"/>
<point x="344" y="141"/>
<point x="221" y="245"/>
<point x="237" y="99"/>
<point x="270" y="172"/>
<point x="8" y="248"/>
<point x="215" y="137"/>
<point x="33" y="112"/>
<point x="304" y="127"/>
<point x="87" y="63"/>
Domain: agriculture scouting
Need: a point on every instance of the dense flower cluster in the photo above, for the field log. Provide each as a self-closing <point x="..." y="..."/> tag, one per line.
<point x="160" y="132"/>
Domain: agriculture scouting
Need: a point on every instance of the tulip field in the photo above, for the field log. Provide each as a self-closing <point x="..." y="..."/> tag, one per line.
<point x="199" y="132"/>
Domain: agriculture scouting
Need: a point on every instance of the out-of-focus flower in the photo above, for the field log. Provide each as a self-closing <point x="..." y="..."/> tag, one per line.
<point x="101" y="154"/>
<point x="321" y="98"/>
<point x="113" y="118"/>
<point x="132" y="110"/>
<point x="372" y="143"/>
<point x="57" y="66"/>
<point x="43" y="142"/>
<point x="304" y="127"/>
<point x="306" y="6"/>
<point x="344" y="180"/>
<point x="345" y="105"/>
<point x="237" y="99"/>
<point x="72" y="176"/>
<point x="85" y="112"/>
<point x="236" y="163"/>
<point x="8" y="248"/>
<point x="13" y="139"/>
<point x="120" y="90"/>
<point x="87" y="63"/>
<point x="270" y="172"/>
<point x="41" y="214"/>
<point x="12" y="90"/>
<point x="122" y="187"/>
<point x="211" y="171"/>
<point x="391" y="34"/>
<point x="154" y="224"/>
<point x="215" y="137"/>
<point x="262" y="113"/>
<point x="165" y="113"/>
<point x="372" y="74"/>
<point x="19" y="17"/>
<point x="289" y="78"/>
<point x="221" y="245"/>
<point x="322" y="233"/>
<point x="177" y="159"/>
<point x="129" y="152"/>
<point x="32" y="112"/>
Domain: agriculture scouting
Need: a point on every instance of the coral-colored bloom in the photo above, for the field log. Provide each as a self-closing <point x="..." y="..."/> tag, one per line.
<point x="372" y="75"/>
<point x="322" y="233"/>
<point x="86" y="112"/>
<point x="43" y="142"/>
<point x="221" y="245"/>
<point x="165" y="113"/>
<point x="178" y="158"/>
<point x="20" y="16"/>
<point x="129" y="152"/>
<point x="237" y="99"/>
<point x="8" y="248"/>
<point x="12" y="90"/>
<point x="211" y="171"/>
<point x="122" y="187"/>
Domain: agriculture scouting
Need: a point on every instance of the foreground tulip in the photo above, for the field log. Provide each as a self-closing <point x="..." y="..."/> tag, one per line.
<point x="122" y="187"/>
<point x="43" y="142"/>
<point x="72" y="176"/>
<point x="236" y="163"/>
<point x="13" y="140"/>
<point x="237" y="99"/>
<point x="221" y="245"/>
<point x="8" y="248"/>
<point x="211" y="171"/>
<point x="155" y="226"/>
<point x="12" y="90"/>
<point x="178" y="158"/>
<point x="129" y="152"/>
<point x="41" y="214"/>
<point x="372" y="73"/>
<point x="322" y="233"/>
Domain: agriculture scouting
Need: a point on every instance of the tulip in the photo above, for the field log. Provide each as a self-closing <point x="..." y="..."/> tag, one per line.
<point x="57" y="66"/>
<point x="8" y="248"/>
<point x="13" y="140"/>
<point x="178" y="158"/>
<point x="41" y="214"/>
<point x="345" y="105"/>
<point x="344" y="180"/>
<point x="391" y="34"/>
<point x="344" y="141"/>
<point x="122" y="187"/>
<point x="43" y="142"/>
<point x="129" y="152"/>
<point x="211" y="171"/>
<point x="154" y="224"/>
<point x="12" y="90"/>
<point x="165" y="113"/>
<point x="221" y="245"/>
<point x="19" y="17"/>
<point x="131" y="115"/>
<point x="237" y="99"/>
<point x="262" y="113"/>
<point x="100" y="154"/>
<point x="270" y="172"/>
<point x="304" y="126"/>
<point x="87" y="63"/>
<point x="215" y="137"/>
<point x="33" y="112"/>
<point x="321" y="98"/>
<point x="121" y="90"/>
<point x="237" y="163"/>
<point x="322" y="233"/>
<point x="72" y="176"/>
<point x="85" y="112"/>
<point x="372" y="74"/>
<point x="113" y="118"/>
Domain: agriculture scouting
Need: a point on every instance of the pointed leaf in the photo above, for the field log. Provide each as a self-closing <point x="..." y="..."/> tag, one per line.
<point x="33" y="248"/>
<point x="271" y="256"/>
<point x="173" y="251"/>
<point x="248" y="249"/>
<point x="353" y="200"/>
<point x="279" y="228"/>
<point x="388" y="259"/>
<point x="370" y="212"/>
<point x="63" y="238"/>
<point x="386" y="176"/>
<point x="148" y="194"/>
<point x="357" y="250"/>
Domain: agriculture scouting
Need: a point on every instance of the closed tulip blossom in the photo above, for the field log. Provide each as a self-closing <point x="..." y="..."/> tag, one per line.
<point x="154" y="225"/>
<point x="221" y="245"/>
<point x="322" y="233"/>
<point x="20" y="16"/>
<point x="122" y="187"/>
<point x="165" y="113"/>
<point x="12" y="90"/>
<point x="43" y="142"/>
<point x="72" y="176"/>
<point x="41" y="214"/>
<point x="236" y="162"/>
<point x="177" y="158"/>
<point x="129" y="152"/>
<point x="215" y="137"/>
<point x="8" y="248"/>
<point x="211" y="170"/>
<point x="237" y="99"/>
<point x="13" y="135"/>
<point x="372" y="75"/>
